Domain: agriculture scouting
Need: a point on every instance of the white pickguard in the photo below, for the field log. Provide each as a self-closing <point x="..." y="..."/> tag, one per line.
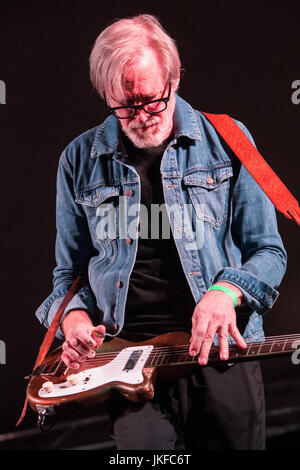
<point x="97" y="376"/>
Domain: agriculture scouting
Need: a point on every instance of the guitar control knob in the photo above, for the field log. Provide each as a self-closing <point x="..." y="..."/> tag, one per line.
<point x="72" y="379"/>
<point x="48" y="387"/>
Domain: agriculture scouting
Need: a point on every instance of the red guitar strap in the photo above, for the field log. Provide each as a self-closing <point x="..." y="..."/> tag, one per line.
<point x="263" y="174"/>
<point x="49" y="337"/>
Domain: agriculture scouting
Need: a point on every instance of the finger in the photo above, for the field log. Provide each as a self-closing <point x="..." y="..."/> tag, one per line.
<point x="206" y="345"/>
<point x="92" y="339"/>
<point x="194" y="323"/>
<point x="68" y="361"/>
<point x="65" y="358"/>
<point x="73" y="355"/>
<point x="91" y="354"/>
<point x="234" y="332"/>
<point x="198" y="334"/>
<point x="82" y="358"/>
<point x="98" y="334"/>
<point x="74" y="365"/>
<point x="223" y="342"/>
<point x="79" y="347"/>
<point x="86" y="340"/>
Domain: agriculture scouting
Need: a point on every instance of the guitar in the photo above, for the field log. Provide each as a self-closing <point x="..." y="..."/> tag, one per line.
<point x="130" y="369"/>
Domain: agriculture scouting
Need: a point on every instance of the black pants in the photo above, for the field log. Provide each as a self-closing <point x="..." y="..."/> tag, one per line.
<point x="215" y="408"/>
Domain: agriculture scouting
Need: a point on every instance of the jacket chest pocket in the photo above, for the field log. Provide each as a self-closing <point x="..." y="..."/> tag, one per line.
<point x="208" y="191"/>
<point x="101" y="206"/>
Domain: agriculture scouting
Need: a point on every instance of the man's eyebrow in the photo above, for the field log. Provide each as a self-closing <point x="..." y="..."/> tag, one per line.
<point x="138" y="98"/>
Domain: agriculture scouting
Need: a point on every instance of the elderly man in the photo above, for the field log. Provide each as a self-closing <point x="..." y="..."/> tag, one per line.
<point x="214" y="276"/>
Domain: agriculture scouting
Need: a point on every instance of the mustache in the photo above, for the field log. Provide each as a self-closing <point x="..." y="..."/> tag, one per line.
<point x="150" y="122"/>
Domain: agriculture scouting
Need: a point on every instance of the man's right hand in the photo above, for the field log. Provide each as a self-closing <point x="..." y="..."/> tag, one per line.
<point x="81" y="338"/>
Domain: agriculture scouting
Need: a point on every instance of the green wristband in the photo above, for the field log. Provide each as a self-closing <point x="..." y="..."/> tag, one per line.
<point x="225" y="289"/>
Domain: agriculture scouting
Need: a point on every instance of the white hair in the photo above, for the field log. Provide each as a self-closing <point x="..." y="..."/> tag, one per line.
<point x="121" y="44"/>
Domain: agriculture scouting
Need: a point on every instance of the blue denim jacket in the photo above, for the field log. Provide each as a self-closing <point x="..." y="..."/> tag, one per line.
<point x="229" y="234"/>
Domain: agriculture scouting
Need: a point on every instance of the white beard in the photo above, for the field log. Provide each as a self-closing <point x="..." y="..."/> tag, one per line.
<point x="150" y="134"/>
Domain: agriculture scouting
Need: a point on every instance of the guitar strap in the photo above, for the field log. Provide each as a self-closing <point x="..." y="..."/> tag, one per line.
<point x="271" y="184"/>
<point x="263" y="174"/>
<point x="49" y="336"/>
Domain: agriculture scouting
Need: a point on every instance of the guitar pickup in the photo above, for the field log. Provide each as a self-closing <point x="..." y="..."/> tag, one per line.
<point x="132" y="360"/>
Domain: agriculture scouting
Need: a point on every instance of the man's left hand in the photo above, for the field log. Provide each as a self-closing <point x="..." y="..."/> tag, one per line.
<point x="215" y="313"/>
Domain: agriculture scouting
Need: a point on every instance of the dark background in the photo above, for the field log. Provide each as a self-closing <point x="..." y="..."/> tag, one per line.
<point x="239" y="58"/>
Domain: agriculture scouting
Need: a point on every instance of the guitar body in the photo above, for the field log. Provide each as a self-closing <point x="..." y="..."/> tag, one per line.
<point x="119" y="368"/>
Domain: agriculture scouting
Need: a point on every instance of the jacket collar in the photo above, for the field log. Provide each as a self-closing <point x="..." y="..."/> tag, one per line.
<point x="107" y="137"/>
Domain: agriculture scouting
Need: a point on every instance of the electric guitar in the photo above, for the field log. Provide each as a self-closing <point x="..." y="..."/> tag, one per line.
<point x="130" y="369"/>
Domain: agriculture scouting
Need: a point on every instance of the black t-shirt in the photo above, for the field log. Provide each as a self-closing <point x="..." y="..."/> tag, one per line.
<point x="159" y="297"/>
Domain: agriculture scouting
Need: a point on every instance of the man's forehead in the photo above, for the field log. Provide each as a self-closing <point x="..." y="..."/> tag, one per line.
<point x="143" y="76"/>
<point x="139" y="89"/>
<point x="144" y="70"/>
<point x="142" y="84"/>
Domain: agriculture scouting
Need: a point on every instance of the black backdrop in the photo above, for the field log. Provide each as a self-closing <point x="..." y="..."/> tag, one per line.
<point x="240" y="59"/>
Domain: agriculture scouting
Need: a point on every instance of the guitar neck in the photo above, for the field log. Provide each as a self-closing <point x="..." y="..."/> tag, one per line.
<point x="272" y="346"/>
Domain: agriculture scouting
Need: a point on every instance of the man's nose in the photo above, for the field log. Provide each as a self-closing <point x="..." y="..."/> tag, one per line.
<point x="141" y="115"/>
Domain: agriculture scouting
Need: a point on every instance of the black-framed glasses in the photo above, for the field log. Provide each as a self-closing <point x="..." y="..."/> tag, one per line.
<point x="151" y="107"/>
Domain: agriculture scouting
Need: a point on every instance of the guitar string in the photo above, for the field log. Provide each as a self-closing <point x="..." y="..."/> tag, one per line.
<point x="171" y="353"/>
<point x="183" y="349"/>
<point x="116" y="364"/>
<point x="266" y="342"/>
<point x="170" y="350"/>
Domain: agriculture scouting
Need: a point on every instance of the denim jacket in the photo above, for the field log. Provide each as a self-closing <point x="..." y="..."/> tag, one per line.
<point x="228" y="233"/>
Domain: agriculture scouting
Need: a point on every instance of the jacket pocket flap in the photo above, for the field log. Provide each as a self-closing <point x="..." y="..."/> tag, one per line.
<point x="95" y="197"/>
<point x="209" y="178"/>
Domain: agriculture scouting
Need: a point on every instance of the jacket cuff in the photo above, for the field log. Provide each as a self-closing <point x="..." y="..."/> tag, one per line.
<point x="258" y="295"/>
<point x="82" y="300"/>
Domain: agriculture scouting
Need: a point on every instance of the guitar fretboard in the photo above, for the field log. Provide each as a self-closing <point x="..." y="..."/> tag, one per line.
<point x="272" y="346"/>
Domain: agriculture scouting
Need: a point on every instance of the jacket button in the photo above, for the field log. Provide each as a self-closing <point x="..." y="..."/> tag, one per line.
<point x="209" y="179"/>
<point x="129" y="241"/>
<point x="128" y="192"/>
<point x="119" y="284"/>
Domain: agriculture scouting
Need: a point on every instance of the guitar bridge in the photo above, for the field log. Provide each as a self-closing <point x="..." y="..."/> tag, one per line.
<point x="52" y="368"/>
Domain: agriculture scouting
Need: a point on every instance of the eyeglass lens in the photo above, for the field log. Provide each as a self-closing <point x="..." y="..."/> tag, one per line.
<point x="151" y="108"/>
